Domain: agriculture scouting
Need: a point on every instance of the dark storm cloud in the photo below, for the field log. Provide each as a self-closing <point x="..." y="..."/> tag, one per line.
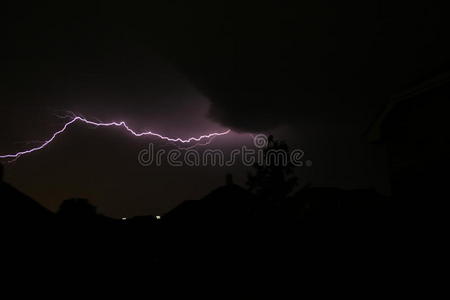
<point x="323" y="68"/>
<point x="260" y="64"/>
<point x="282" y="61"/>
<point x="97" y="60"/>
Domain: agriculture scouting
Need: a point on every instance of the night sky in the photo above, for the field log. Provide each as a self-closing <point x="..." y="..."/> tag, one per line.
<point x="315" y="74"/>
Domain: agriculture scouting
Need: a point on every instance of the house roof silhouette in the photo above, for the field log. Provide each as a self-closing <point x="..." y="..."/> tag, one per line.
<point x="20" y="208"/>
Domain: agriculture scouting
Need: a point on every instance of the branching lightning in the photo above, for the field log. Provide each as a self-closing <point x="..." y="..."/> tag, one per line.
<point x="74" y="119"/>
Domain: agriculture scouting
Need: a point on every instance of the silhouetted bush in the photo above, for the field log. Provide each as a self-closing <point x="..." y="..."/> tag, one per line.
<point x="272" y="180"/>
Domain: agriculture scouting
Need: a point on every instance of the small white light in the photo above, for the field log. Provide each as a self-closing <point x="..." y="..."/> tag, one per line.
<point x="158" y="217"/>
<point x="123" y="219"/>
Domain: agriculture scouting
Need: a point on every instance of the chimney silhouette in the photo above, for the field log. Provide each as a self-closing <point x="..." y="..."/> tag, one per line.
<point x="229" y="179"/>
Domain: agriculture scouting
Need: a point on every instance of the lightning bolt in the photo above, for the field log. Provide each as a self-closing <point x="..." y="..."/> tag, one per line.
<point x="75" y="119"/>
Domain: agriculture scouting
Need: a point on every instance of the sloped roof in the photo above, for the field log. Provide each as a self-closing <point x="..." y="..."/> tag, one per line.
<point x="18" y="206"/>
<point x="225" y="201"/>
<point x="374" y="132"/>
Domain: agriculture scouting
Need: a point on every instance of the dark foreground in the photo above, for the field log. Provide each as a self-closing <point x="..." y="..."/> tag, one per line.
<point x="317" y="231"/>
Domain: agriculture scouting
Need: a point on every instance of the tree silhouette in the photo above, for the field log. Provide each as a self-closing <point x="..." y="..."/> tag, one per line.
<point x="273" y="178"/>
